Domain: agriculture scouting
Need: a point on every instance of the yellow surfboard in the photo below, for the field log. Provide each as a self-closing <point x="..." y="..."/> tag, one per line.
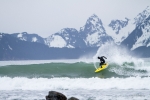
<point x="103" y="67"/>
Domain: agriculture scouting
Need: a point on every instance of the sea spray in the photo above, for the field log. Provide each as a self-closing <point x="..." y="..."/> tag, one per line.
<point x="115" y="54"/>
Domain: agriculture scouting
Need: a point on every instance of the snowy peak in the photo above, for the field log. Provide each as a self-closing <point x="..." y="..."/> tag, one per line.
<point x="144" y="39"/>
<point x="117" y="25"/>
<point x="93" y="32"/>
<point x="67" y="37"/>
<point x="121" y="29"/>
<point x="93" y="24"/>
<point x="140" y="36"/>
<point x="24" y="36"/>
<point x="55" y="41"/>
<point x="142" y="16"/>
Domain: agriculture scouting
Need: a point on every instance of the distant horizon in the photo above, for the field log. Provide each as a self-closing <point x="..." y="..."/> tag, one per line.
<point x="48" y="17"/>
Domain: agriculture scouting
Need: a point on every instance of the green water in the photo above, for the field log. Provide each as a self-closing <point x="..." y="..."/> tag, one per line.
<point x="72" y="70"/>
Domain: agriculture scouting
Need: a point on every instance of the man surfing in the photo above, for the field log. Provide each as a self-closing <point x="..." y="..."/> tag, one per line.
<point x="102" y="61"/>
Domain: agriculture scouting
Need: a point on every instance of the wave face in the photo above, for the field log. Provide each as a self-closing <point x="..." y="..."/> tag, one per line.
<point x="76" y="70"/>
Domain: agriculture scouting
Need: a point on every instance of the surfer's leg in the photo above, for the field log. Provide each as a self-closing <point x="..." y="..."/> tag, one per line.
<point x="104" y="63"/>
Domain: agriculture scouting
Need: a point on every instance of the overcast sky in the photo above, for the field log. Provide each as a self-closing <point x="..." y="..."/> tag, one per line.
<point x="46" y="17"/>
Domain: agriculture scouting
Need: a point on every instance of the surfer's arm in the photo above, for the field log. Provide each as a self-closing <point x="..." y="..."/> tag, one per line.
<point x="104" y="57"/>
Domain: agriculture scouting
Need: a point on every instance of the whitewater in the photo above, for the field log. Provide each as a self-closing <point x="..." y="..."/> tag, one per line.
<point x="127" y="77"/>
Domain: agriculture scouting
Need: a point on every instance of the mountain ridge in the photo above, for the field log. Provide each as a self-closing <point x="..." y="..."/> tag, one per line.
<point x="134" y="34"/>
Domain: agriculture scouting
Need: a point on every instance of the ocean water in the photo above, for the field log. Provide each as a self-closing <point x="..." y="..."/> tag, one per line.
<point x="31" y="80"/>
<point x="126" y="78"/>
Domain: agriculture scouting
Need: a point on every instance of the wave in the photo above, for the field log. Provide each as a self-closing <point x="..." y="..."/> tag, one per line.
<point x="23" y="83"/>
<point x="76" y="70"/>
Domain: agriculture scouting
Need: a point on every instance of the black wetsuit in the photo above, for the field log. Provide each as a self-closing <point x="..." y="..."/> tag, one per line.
<point x="102" y="61"/>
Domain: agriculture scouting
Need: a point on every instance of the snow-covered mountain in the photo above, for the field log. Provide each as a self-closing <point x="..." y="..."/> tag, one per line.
<point x="117" y="25"/>
<point x="140" y="36"/>
<point x="92" y="34"/>
<point x="133" y="33"/>
<point x="142" y="16"/>
<point x="144" y="40"/>
<point x="119" y="30"/>
<point x="67" y="37"/>
<point x="24" y="36"/>
<point x="12" y="48"/>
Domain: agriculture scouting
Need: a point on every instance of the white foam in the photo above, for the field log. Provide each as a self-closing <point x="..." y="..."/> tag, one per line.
<point x="118" y="55"/>
<point x="22" y="83"/>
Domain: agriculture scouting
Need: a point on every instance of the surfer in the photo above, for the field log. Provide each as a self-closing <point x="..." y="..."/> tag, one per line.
<point x="102" y="61"/>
